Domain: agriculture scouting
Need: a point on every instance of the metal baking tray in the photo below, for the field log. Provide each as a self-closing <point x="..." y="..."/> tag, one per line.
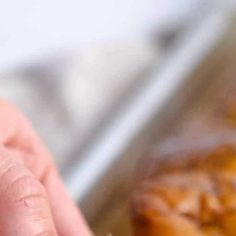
<point x="101" y="182"/>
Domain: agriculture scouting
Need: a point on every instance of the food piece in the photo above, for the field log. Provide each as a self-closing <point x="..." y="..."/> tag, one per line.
<point x="188" y="193"/>
<point x="213" y="231"/>
<point x="229" y="224"/>
<point x="166" y="226"/>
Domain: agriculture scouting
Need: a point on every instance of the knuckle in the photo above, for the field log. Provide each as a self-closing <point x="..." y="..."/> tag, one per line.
<point x="21" y="192"/>
<point x="17" y="183"/>
<point x="24" y="187"/>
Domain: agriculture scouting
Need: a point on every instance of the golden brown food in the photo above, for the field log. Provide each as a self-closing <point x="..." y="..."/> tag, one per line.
<point x="188" y="193"/>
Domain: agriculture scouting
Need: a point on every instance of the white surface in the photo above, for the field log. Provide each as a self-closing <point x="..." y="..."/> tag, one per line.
<point x="100" y="76"/>
<point x="65" y="101"/>
<point x="36" y="28"/>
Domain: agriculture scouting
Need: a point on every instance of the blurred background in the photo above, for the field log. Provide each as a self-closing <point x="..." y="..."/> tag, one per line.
<point x="72" y="67"/>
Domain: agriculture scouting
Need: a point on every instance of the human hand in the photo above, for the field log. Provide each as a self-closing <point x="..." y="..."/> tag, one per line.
<point x="33" y="200"/>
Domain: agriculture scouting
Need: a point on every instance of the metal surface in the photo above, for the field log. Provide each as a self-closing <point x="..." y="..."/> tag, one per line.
<point x="148" y="101"/>
<point x="193" y="110"/>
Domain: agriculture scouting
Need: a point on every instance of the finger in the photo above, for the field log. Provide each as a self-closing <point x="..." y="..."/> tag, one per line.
<point x="17" y="135"/>
<point x="14" y="128"/>
<point x="68" y="219"/>
<point x="20" y="136"/>
<point x="23" y="201"/>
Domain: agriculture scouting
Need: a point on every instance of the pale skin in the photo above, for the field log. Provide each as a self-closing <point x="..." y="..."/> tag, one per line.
<point x="33" y="199"/>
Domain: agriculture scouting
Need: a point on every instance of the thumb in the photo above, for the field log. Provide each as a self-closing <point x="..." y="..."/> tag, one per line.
<point x="24" y="207"/>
